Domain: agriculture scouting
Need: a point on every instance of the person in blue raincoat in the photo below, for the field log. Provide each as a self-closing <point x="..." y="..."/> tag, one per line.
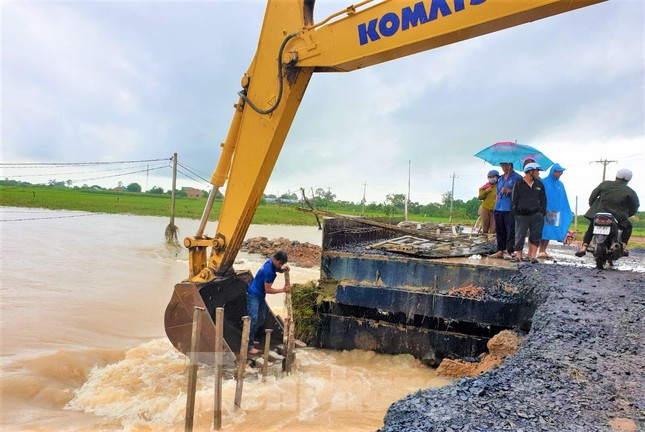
<point x="558" y="216"/>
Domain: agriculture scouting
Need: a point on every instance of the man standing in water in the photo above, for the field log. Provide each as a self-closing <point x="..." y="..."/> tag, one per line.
<point x="256" y="294"/>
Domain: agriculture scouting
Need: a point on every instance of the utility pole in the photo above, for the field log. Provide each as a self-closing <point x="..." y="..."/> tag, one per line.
<point x="171" y="229"/>
<point x="452" y="194"/>
<point x="575" y="217"/>
<point x="174" y="187"/>
<point x="604" y="163"/>
<point x="407" y="198"/>
<point x="364" y="189"/>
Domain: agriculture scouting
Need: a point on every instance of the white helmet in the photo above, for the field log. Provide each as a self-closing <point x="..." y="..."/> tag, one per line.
<point x="624" y="174"/>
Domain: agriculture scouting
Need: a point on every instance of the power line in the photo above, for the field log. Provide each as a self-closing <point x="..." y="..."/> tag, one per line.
<point x="117" y="175"/>
<point x="604" y="163"/>
<point x="51" y="164"/>
<point x="192" y="172"/>
<point x="81" y="172"/>
<point x="50" y="217"/>
<point x="190" y="177"/>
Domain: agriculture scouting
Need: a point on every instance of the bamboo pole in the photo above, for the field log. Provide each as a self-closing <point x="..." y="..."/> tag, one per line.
<point x="219" y="348"/>
<point x="291" y="344"/>
<point x="288" y="327"/>
<point x="241" y="362"/>
<point x="285" y="343"/>
<point x="192" y="371"/>
<point x="267" y="347"/>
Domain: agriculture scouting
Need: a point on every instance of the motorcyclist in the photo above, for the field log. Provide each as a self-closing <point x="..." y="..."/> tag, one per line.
<point x="615" y="197"/>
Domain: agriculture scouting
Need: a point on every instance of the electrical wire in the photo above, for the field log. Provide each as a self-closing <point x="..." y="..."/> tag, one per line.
<point x="86" y="172"/>
<point x="117" y="175"/>
<point x="51" y="164"/>
<point x="193" y="172"/>
<point x="50" y="217"/>
<point x="190" y="177"/>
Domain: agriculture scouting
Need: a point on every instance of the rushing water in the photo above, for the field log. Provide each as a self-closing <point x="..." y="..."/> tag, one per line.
<point x="83" y="345"/>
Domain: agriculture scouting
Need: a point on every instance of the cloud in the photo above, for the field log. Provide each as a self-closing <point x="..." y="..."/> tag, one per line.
<point x="141" y="80"/>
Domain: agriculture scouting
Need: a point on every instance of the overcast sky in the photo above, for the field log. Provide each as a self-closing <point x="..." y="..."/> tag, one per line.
<point x="120" y="80"/>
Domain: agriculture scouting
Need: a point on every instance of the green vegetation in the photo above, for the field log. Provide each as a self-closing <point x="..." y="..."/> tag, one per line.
<point x="304" y="298"/>
<point x="272" y="210"/>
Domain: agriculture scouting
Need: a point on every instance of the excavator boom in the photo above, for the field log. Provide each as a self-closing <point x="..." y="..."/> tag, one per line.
<point x="290" y="49"/>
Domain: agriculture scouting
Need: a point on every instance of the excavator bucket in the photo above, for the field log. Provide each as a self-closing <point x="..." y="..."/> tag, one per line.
<point x="228" y="292"/>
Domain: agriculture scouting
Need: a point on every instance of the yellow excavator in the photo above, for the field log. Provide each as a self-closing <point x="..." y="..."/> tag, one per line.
<point x="290" y="49"/>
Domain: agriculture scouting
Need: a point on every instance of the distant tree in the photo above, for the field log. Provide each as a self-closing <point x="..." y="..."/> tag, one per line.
<point x="156" y="190"/>
<point x="291" y="196"/>
<point x="471" y="207"/>
<point x="134" y="187"/>
<point x="56" y="183"/>
<point x="395" y="200"/>
<point x="445" y="198"/>
<point x="69" y="182"/>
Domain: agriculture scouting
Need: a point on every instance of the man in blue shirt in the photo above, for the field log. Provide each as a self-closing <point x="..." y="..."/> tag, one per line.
<point x="504" y="222"/>
<point x="261" y="285"/>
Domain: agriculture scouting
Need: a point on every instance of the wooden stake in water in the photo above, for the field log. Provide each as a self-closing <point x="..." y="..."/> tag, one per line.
<point x="291" y="344"/>
<point x="285" y="342"/>
<point x="267" y="347"/>
<point x="241" y="362"/>
<point x="288" y="325"/>
<point x="192" y="371"/>
<point x="219" y="348"/>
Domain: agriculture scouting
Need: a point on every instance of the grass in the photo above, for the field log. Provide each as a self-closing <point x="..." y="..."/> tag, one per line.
<point x="143" y="204"/>
<point x="137" y="204"/>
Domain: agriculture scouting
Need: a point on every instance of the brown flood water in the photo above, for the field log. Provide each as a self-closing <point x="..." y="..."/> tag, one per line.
<point x="83" y="345"/>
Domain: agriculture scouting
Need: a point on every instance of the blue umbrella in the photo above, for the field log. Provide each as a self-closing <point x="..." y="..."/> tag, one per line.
<point x="514" y="153"/>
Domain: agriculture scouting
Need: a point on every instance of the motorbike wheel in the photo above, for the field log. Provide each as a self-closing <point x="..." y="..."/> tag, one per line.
<point x="600" y="255"/>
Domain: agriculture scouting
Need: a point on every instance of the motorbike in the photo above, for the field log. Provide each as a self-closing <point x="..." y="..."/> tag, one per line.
<point x="606" y="245"/>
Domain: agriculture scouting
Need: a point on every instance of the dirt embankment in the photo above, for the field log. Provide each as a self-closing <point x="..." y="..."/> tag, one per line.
<point x="300" y="254"/>
<point x="499" y="347"/>
<point x="580" y="368"/>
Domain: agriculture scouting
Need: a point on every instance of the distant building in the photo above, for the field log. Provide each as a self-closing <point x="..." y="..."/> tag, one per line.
<point x="119" y="189"/>
<point x="193" y="193"/>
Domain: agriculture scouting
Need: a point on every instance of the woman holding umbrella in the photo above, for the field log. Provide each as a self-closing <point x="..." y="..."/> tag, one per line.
<point x="505" y="154"/>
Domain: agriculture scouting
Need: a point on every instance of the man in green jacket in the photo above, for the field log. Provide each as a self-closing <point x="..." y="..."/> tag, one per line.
<point x="615" y="197"/>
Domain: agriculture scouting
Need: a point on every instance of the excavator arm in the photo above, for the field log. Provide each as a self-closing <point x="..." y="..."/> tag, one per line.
<point x="290" y="49"/>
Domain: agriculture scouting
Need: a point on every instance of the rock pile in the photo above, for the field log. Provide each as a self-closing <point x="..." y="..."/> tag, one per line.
<point x="300" y="254"/>
<point x="580" y="368"/>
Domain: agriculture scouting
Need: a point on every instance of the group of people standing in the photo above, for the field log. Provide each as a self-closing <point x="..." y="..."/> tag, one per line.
<point x="520" y="205"/>
<point x="514" y="206"/>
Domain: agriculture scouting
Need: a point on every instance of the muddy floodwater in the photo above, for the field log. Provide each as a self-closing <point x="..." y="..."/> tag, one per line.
<point x="83" y="345"/>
